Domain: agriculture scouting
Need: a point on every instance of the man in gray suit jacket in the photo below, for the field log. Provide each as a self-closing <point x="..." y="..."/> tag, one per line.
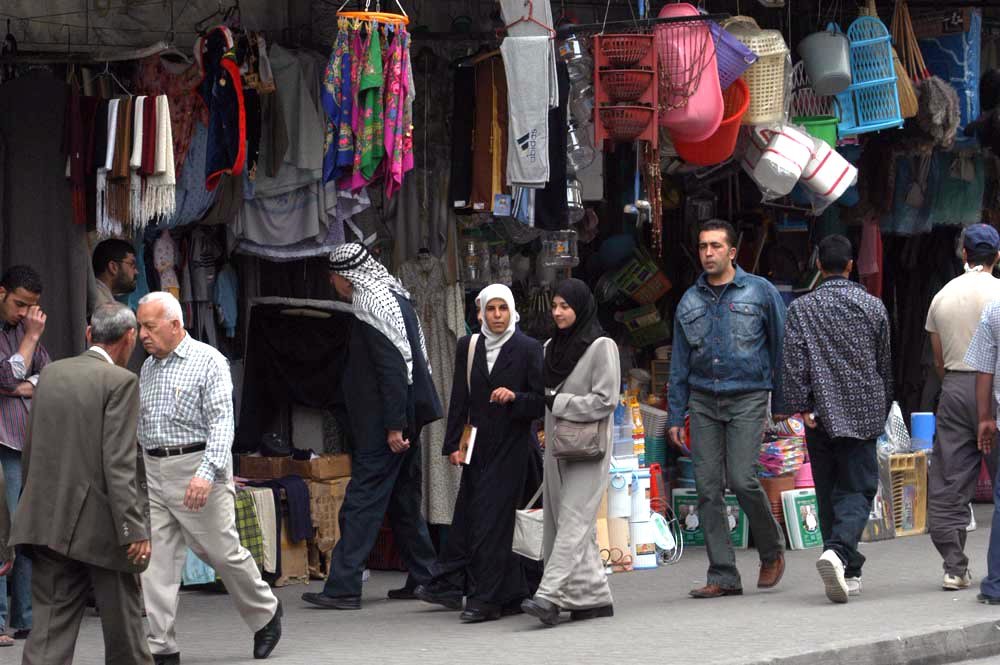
<point x="83" y="512"/>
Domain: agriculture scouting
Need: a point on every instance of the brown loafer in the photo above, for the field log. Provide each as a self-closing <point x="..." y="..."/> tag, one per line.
<point x="771" y="572"/>
<point x="714" y="591"/>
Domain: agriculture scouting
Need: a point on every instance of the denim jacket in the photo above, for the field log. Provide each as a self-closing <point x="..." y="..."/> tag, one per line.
<point x="727" y="345"/>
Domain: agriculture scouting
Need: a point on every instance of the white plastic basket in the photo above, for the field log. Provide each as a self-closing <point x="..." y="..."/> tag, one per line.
<point x="766" y="78"/>
<point x="654" y="421"/>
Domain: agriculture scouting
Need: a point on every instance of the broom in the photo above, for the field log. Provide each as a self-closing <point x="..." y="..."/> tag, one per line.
<point x="908" y="104"/>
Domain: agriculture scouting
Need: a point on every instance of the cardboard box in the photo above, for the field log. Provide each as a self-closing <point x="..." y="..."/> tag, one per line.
<point x="257" y="467"/>
<point x="294" y="558"/>
<point x="685" y="503"/>
<point x="325" y="499"/>
<point x="324" y="467"/>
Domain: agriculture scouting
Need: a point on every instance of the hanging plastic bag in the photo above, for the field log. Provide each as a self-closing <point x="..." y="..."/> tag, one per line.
<point x="896" y="432"/>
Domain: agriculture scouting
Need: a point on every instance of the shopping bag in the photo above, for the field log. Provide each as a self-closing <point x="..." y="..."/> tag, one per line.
<point x="529" y="525"/>
<point x="895" y="430"/>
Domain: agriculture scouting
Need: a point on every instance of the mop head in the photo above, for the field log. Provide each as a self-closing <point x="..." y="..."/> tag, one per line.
<point x="938" y="115"/>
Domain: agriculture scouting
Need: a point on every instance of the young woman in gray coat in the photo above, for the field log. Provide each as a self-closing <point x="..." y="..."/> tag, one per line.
<point x="582" y="379"/>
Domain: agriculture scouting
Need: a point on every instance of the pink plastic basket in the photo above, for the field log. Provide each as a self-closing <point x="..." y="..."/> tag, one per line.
<point x="731" y="55"/>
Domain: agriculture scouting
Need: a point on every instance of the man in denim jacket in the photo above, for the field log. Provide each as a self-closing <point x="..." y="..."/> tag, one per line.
<point x="726" y="361"/>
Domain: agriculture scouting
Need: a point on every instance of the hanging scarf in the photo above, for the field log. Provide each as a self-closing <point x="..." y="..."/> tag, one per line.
<point x="372" y="147"/>
<point x="106" y="226"/>
<point x="136" y="220"/>
<point x="495" y="341"/>
<point x="119" y="176"/>
<point x="568" y="346"/>
<point x="148" y="140"/>
<point x="160" y="200"/>
<point x="374" y="299"/>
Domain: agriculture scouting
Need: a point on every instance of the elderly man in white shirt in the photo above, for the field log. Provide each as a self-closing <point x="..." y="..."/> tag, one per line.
<point x="186" y="430"/>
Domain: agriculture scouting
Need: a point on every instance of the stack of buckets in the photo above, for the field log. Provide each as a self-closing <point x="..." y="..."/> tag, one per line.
<point x="685" y="468"/>
<point x="922" y="429"/>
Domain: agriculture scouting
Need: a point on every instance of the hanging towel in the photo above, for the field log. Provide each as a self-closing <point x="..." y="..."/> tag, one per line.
<point x="106" y="226"/>
<point x="136" y="220"/>
<point x="119" y="175"/>
<point x="160" y="201"/>
<point x="263" y="501"/>
<point x="531" y="89"/>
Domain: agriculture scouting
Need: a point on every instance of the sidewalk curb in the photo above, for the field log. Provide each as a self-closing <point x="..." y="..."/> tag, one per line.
<point x="950" y="645"/>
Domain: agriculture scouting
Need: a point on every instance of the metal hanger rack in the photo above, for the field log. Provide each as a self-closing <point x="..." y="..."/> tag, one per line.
<point x="633" y="25"/>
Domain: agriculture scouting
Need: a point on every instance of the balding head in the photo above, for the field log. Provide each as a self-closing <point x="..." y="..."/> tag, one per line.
<point x="161" y="322"/>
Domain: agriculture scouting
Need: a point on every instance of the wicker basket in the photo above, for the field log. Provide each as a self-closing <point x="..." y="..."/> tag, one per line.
<point x="626" y="85"/>
<point x="626" y="123"/>
<point x="766" y="78"/>
<point x="626" y="50"/>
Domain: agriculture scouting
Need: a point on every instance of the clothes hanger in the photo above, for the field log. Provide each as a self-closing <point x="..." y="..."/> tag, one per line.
<point x="530" y="18"/>
<point x="107" y="72"/>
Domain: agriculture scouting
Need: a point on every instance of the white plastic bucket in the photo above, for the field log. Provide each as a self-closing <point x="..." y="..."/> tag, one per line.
<point x="643" y="536"/>
<point x="640" y="496"/>
<point x="783" y="159"/>
<point x="828" y="174"/>
<point x="619" y="504"/>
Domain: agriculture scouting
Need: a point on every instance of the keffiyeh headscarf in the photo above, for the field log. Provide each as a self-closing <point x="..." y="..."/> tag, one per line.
<point x="374" y="300"/>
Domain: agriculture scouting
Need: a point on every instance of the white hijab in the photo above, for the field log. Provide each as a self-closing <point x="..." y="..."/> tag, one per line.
<point x="495" y="341"/>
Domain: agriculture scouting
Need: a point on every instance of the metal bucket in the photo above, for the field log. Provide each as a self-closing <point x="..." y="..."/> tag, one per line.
<point x="827" y="56"/>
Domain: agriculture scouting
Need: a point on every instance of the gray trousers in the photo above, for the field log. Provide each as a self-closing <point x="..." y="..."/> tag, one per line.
<point x="59" y="597"/>
<point x="954" y="469"/>
<point x="726" y="435"/>
<point x="5" y="550"/>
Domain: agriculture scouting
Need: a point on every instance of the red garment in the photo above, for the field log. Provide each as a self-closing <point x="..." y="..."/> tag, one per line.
<point x="870" y="257"/>
<point x="148" y="166"/>
<point x="179" y="84"/>
<point x="78" y="146"/>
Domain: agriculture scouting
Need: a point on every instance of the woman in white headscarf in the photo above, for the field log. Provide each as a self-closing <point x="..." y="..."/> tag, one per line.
<point x="500" y="394"/>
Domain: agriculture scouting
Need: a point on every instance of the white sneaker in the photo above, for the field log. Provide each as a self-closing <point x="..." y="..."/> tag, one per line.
<point x="831" y="569"/>
<point x="956" y="583"/>
<point x="853" y="586"/>
<point x="972" y="519"/>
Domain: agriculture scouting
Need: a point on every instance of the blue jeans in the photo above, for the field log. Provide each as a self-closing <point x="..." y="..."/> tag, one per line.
<point x="18" y="583"/>
<point x="990" y="586"/>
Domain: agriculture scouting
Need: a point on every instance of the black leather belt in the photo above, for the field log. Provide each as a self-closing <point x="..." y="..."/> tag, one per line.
<point x="181" y="450"/>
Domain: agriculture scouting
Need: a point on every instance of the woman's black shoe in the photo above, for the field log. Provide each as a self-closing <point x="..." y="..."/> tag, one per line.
<point x="449" y="599"/>
<point x="593" y="613"/>
<point x="541" y="609"/>
<point x="476" y="615"/>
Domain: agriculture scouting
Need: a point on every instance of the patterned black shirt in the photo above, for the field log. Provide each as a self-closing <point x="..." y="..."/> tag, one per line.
<point x="837" y="359"/>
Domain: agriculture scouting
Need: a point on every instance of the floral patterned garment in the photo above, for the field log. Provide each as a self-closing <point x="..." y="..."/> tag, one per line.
<point x="371" y="146"/>
<point x="333" y="102"/>
<point x="353" y="180"/>
<point x="179" y="85"/>
<point x="398" y="138"/>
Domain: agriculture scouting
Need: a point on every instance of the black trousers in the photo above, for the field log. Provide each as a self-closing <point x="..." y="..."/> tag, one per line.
<point x="477" y="557"/>
<point x="59" y="596"/>
<point x="382" y="483"/>
<point x="845" y="472"/>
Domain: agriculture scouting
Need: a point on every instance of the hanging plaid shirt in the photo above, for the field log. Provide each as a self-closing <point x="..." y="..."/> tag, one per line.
<point x="13" y="371"/>
<point x="837" y="359"/>
<point x="982" y="354"/>
<point x="187" y="398"/>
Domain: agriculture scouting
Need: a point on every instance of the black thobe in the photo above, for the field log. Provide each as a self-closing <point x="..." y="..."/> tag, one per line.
<point x="380" y="399"/>
<point x="477" y="556"/>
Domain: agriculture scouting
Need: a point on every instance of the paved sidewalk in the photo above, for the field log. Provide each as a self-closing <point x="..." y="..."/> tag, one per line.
<point x="902" y="617"/>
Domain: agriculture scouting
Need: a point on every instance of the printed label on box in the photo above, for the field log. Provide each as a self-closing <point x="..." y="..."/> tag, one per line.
<point x="686" y="510"/>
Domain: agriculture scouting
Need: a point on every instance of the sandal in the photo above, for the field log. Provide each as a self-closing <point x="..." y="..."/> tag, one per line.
<point x="6" y="640"/>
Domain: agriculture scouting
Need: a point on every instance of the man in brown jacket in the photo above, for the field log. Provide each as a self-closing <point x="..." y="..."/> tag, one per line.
<point x="83" y="512"/>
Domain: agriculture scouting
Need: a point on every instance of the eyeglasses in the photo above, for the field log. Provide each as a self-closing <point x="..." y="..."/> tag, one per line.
<point x="128" y="262"/>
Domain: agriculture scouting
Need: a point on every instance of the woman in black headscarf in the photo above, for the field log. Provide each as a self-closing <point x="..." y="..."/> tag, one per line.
<point x="582" y="379"/>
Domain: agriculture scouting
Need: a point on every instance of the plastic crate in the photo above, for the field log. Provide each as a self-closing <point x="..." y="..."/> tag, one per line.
<point x="642" y="280"/>
<point x="384" y="555"/>
<point x="909" y="493"/>
<point x="645" y="326"/>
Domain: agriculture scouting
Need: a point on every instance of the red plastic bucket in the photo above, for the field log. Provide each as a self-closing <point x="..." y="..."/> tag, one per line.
<point x="719" y="146"/>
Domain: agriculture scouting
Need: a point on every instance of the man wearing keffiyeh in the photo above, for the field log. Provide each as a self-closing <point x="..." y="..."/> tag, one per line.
<point x="390" y="398"/>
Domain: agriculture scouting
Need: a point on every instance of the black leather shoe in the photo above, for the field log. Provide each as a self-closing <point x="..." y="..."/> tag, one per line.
<point x="265" y="639"/>
<point x="988" y="600"/>
<point x="166" y="659"/>
<point x="405" y="593"/>
<point x="593" y="613"/>
<point x="476" y="615"/>
<point x="450" y="599"/>
<point x="541" y="609"/>
<point x="333" y="602"/>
